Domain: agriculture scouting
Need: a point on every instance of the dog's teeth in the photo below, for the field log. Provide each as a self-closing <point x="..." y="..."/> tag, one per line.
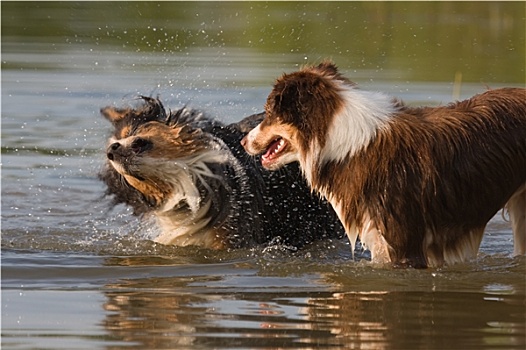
<point x="280" y="145"/>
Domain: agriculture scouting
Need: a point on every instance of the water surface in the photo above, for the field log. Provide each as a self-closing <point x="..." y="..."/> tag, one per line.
<point x="78" y="274"/>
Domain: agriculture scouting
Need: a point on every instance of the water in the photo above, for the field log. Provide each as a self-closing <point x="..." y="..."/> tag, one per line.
<point x="78" y="274"/>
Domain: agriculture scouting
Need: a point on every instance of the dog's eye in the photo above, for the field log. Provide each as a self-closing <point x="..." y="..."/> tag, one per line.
<point x="140" y="145"/>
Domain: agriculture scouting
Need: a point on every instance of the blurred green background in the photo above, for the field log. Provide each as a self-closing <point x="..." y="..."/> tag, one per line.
<point x="416" y="41"/>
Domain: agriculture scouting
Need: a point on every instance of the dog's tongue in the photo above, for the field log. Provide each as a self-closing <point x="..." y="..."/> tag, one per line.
<point x="273" y="149"/>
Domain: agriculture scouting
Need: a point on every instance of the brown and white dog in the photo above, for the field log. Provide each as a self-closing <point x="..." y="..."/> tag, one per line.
<point x="189" y="172"/>
<point x="416" y="185"/>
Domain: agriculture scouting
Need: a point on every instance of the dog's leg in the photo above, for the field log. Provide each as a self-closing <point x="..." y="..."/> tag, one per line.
<point x="517" y="210"/>
<point x="434" y="251"/>
<point x="373" y="240"/>
<point x="378" y="246"/>
<point x="466" y="246"/>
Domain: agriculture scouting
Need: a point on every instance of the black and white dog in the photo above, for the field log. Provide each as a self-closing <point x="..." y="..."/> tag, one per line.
<point x="190" y="172"/>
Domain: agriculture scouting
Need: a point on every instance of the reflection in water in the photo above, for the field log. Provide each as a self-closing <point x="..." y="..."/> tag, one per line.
<point x="414" y="320"/>
<point x="154" y="320"/>
<point x="267" y="300"/>
<point x="165" y="313"/>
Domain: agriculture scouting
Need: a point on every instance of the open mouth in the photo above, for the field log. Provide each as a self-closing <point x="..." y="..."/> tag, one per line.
<point x="274" y="150"/>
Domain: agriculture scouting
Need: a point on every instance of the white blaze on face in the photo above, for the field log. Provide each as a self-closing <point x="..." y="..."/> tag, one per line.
<point x="251" y="137"/>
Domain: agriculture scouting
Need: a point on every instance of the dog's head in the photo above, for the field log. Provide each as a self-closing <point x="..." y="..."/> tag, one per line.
<point x="152" y="151"/>
<point x="298" y="112"/>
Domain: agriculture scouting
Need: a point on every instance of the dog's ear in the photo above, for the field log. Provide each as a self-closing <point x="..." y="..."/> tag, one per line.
<point x="151" y="109"/>
<point x="114" y="115"/>
<point x="327" y="67"/>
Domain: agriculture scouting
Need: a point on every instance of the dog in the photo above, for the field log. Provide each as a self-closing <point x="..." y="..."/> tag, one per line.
<point x="191" y="174"/>
<point x="416" y="185"/>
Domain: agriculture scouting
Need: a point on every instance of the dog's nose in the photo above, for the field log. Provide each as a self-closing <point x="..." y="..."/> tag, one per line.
<point x="113" y="147"/>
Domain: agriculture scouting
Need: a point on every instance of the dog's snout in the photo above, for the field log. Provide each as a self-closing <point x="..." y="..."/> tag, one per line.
<point x="247" y="143"/>
<point x="111" y="150"/>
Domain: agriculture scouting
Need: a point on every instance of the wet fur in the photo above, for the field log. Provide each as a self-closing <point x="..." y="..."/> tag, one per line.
<point x="416" y="185"/>
<point x="190" y="172"/>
